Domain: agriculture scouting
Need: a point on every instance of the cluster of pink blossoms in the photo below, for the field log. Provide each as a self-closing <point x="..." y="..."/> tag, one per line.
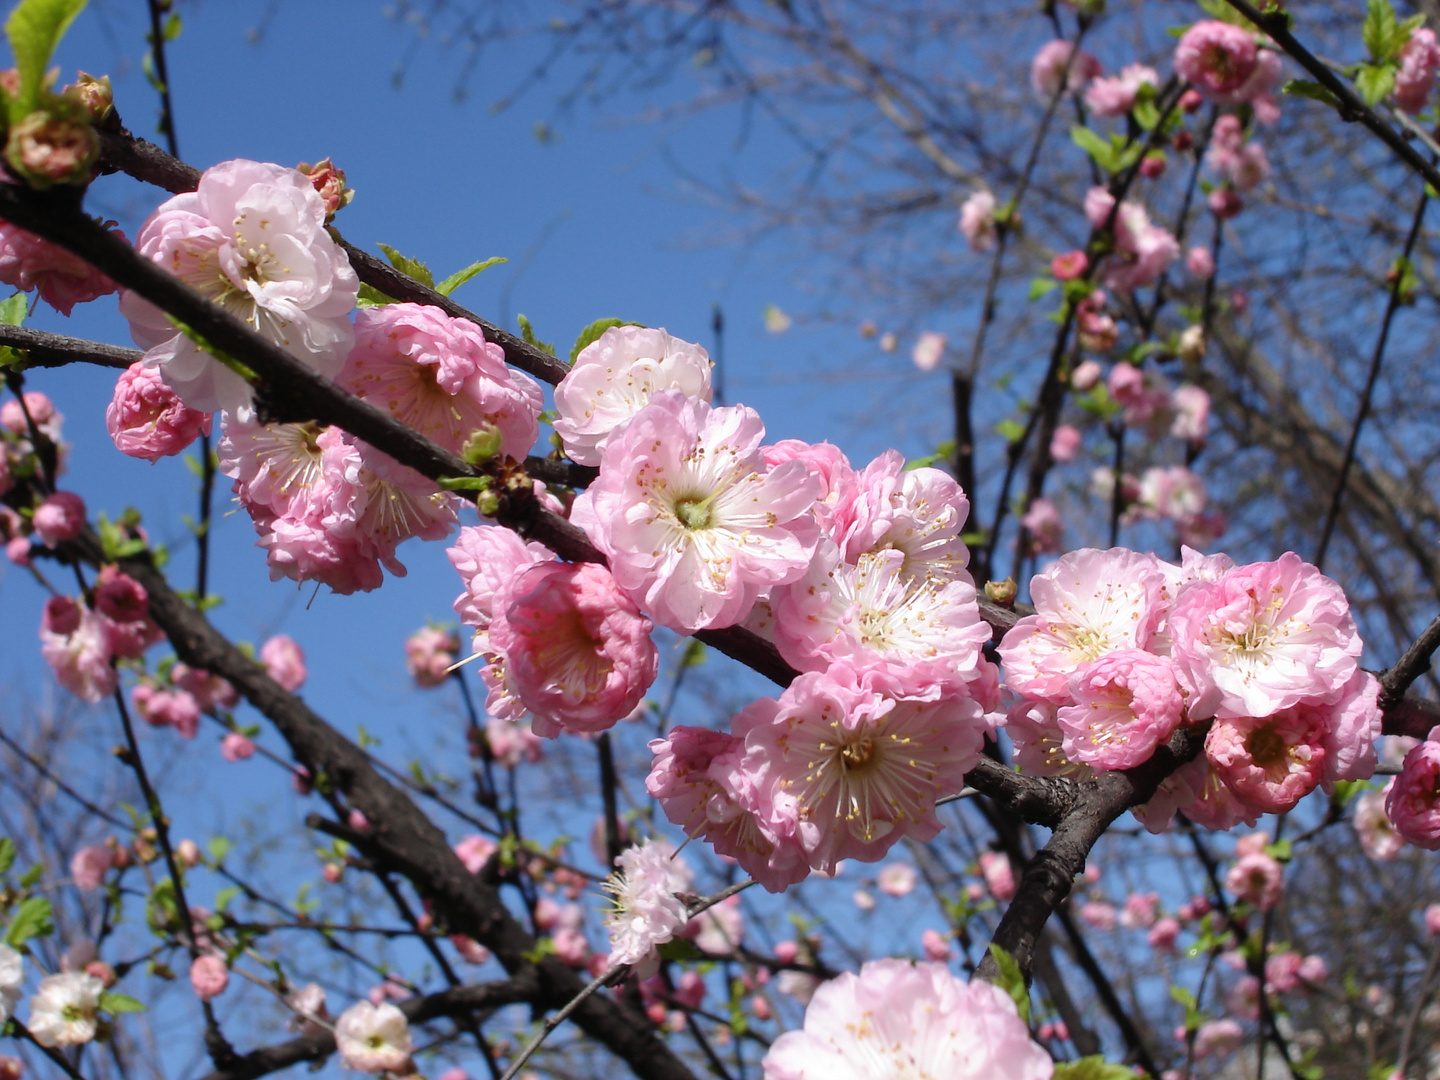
<point x="81" y="639"/>
<point x="1228" y="66"/>
<point x="1124" y="648"/>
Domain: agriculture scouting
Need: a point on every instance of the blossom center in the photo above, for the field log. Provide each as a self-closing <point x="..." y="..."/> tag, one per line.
<point x="694" y="513"/>
<point x="1266" y="747"/>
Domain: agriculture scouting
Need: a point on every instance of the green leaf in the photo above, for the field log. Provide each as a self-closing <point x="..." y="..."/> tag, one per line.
<point x="527" y="333"/>
<point x="372" y="297"/>
<point x="1011" y="981"/>
<point x="412" y="267"/>
<point x="1099" y="149"/>
<point x="1219" y="9"/>
<point x="464" y="483"/>
<point x="7" y="854"/>
<point x="35" y="918"/>
<point x="172" y="27"/>
<point x="1374" y="81"/>
<point x="115" y="1004"/>
<point x="35" y="28"/>
<point x="1380" y="31"/>
<point x="679" y="949"/>
<point x="1094" y="1067"/>
<point x="14" y="310"/>
<point x="1146" y="113"/>
<point x="1041" y="285"/>
<point x="460" y="277"/>
<point x="1312" y="90"/>
<point x="225" y="895"/>
<point x="694" y="654"/>
<point x="1012" y="431"/>
<point x="592" y="333"/>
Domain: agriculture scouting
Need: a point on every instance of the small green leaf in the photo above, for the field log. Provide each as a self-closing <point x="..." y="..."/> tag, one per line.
<point x="14" y="310"/>
<point x="35" y="918"/>
<point x="7" y="854"/>
<point x="411" y="267"/>
<point x="372" y="297"/>
<point x="694" y="654"/>
<point x="1312" y="90"/>
<point x="1374" y="81"/>
<point x="1380" y="31"/>
<point x="1012" y="431"/>
<point x="1146" y="113"/>
<point x="172" y="27"/>
<point x="460" y="277"/>
<point x="527" y="333"/>
<point x="1011" y="981"/>
<point x="115" y="1004"/>
<point x="464" y="483"/>
<point x="1041" y="285"/>
<point x="35" y="28"/>
<point x="225" y="895"/>
<point x="1094" y="1067"/>
<point x="1099" y="149"/>
<point x="592" y="333"/>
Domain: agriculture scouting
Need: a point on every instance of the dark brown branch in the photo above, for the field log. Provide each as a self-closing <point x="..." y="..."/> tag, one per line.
<point x="56" y="350"/>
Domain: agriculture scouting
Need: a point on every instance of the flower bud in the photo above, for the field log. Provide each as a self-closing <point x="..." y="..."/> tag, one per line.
<point x="483" y="445"/>
<point x="102" y="971"/>
<point x="93" y="95"/>
<point x="188" y="853"/>
<point x="330" y="183"/>
<point x="1191" y="346"/>
<point x="53" y="146"/>
<point x="1001" y="592"/>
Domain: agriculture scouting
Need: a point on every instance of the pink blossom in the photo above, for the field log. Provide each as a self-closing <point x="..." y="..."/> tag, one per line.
<point x="1419" y="60"/>
<point x="1195" y="788"/>
<point x="1043" y="525"/>
<point x="1115" y="96"/>
<point x="1065" y="443"/>
<point x="863" y="769"/>
<point x="167" y="708"/>
<point x="1088" y="604"/>
<point x="1217" y="57"/>
<point x="838" y="480"/>
<point x="1432" y="919"/>
<point x="999" y="875"/>
<point x="513" y="742"/>
<point x="147" y="420"/>
<point x="1143" y="251"/>
<point x="1141" y="910"/>
<point x="936" y="946"/>
<point x="1282" y="971"/>
<point x="1085" y="376"/>
<point x="1352" y="724"/>
<point x="1070" y="265"/>
<point x="718" y="930"/>
<point x="1258" y="878"/>
<point x="571" y="648"/>
<point x="1263" y="638"/>
<point x="438" y="374"/>
<point x="284" y="661"/>
<point x="1051" y="68"/>
<point x="61" y="615"/>
<point x="487" y="559"/>
<point x="929" y="350"/>
<point x="64" y="280"/>
<point x="89" y="865"/>
<point x="977" y="224"/>
<point x="475" y="851"/>
<point x="81" y="659"/>
<point x="210" y="691"/>
<point x="429" y="654"/>
<point x="1273" y="762"/>
<point x="898" y="1018"/>
<point x="253" y="236"/>
<point x="896" y="879"/>
<point x="1378" y="838"/>
<point x="60" y="518"/>
<point x="615" y="376"/>
<point x="1097" y="914"/>
<point x="1215" y="1038"/>
<point x="1413" y="799"/>
<point x="209" y="976"/>
<point x="1126" y="703"/>
<point x="695" y="524"/>
<point x="470" y="950"/>
<point x="1192" y="414"/>
<point x="1243" y="998"/>
<point x="119" y="597"/>
<point x="919" y="512"/>
<point x="374" y="1038"/>
<point x="1200" y="263"/>
<point x="1313" y="970"/>
<point x="571" y="946"/>
<point x="236" y="747"/>
<point x="1163" y="934"/>
<point x="646" y="906"/>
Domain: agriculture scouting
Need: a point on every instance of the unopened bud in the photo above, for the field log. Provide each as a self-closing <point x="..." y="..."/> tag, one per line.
<point x="1191" y="100"/>
<point x="332" y="872"/>
<point x="488" y="503"/>
<point x="330" y="183"/>
<point x="188" y="853"/>
<point x="1183" y="141"/>
<point x="102" y="971"/>
<point x="1002" y="592"/>
<point x="1153" y="165"/>
<point x="53" y="146"/>
<point x="1191" y="345"/>
<point x="483" y="445"/>
<point x="144" y="850"/>
<point x="11" y="1068"/>
<point x="93" y="95"/>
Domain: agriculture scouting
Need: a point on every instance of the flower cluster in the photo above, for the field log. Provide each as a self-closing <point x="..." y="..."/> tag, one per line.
<point x="1124" y="648"/>
<point x="82" y="638"/>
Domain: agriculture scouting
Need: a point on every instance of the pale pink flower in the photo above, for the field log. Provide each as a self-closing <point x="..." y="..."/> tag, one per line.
<point x="1115" y="96"/>
<point x="1088" y="604"/>
<point x="695" y="524"/>
<point x="1098" y="914"/>
<point x="838" y="481"/>
<point x="1191" y="406"/>
<point x="64" y="280"/>
<point x="1065" y="443"/>
<point x="1313" y="970"/>
<point x="926" y="635"/>
<point x="929" y="350"/>
<point x="236" y="747"/>
<point x="147" y="420"/>
<point x="63" y="1011"/>
<point x="1270" y="763"/>
<point x="1282" y="971"/>
<point x="429" y="654"/>
<point x="1066" y="267"/>
<point x="863" y="768"/>
<point x="999" y="875"/>
<point x="977" y="225"/>
<point x="210" y="691"/>
<point x="1432" y="919"/>
<point x="902" y="1019"/>
<point x="1140" y="911"/>
<point x="936" y="946"/>
<point x="1043" y="526"/>
<point x="81" y="659"/>
<point x="1085" y="376"/>
<point x="573" y="650"/>
<point x="252" y="238"/>
<point x="1378" y="838"/>
<point x="1172" y="492"/>
<point x="919" y="512"/>
<point x="1200" y="263"/>
<point x="60" y="518"/>
<point x="209" y="977"/>
<point x="1163" y="934"/>
<point x="1195" y="788"/>
<point x="646" y="906"/>
<point x="1253" y="843"/>
<point x="1413" y="798"/>
<point x="167" y="708"/>
<point x="718" y="930"/>
<point x="1419" y="61"/>
<point x="615" y="376"/>
<point x="571" y="946"/>
<point x="1258" y="878"/>
<point x="1216" y="1038"/>
<point x="1217" y="57"/>
<point x="475" y="851"/>
<point x="487" y="559"/>
<point x="89" y="865"/>
<point x="1352" y="724"/>
<point x="1143" y="251"/>
<point x="1051" y="68"/>
<point x="897" y="879"/>
<point x="438" y="375"/>
<point x="470" y="950"/>
<point x="513" y="742"/>
<point x="1263" y="638"/>
<point x="12" y="982"/>
<point x="1243" y="998"/>
<point x="1126" y="703"/>
<point x="374" y="1038"/>
<point x="284" y="661"/>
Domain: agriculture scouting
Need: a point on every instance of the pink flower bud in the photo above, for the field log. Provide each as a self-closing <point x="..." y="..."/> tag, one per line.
<point x="1190" y="100"/>
<point x="236" y="747"/>
<point x="760" y="1007"/>
<point x="102" y="971"/>
<point x="332" y="872"/>
<point x="89" y="865"/>
<point x="1070" y="265"/>
<point x="59" y="518"/>
<point x="187" y="852"/>
<point x="936" y="946"/>
<point x="787" y="951"/>
<point x="11" y="1068"/>
<point x="330" y="183"/>
<point x="1225" y="203"/>
<point x="284" y="661"/>
<point x="61" y="615"/>
<point x="51" y="147"/>
<point x="120" y="597"/>
<point x="1152" y="166"/>
<point x="358" y="821"/>
<point x="17" y="550"/>
<point x="209" y="976"/>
